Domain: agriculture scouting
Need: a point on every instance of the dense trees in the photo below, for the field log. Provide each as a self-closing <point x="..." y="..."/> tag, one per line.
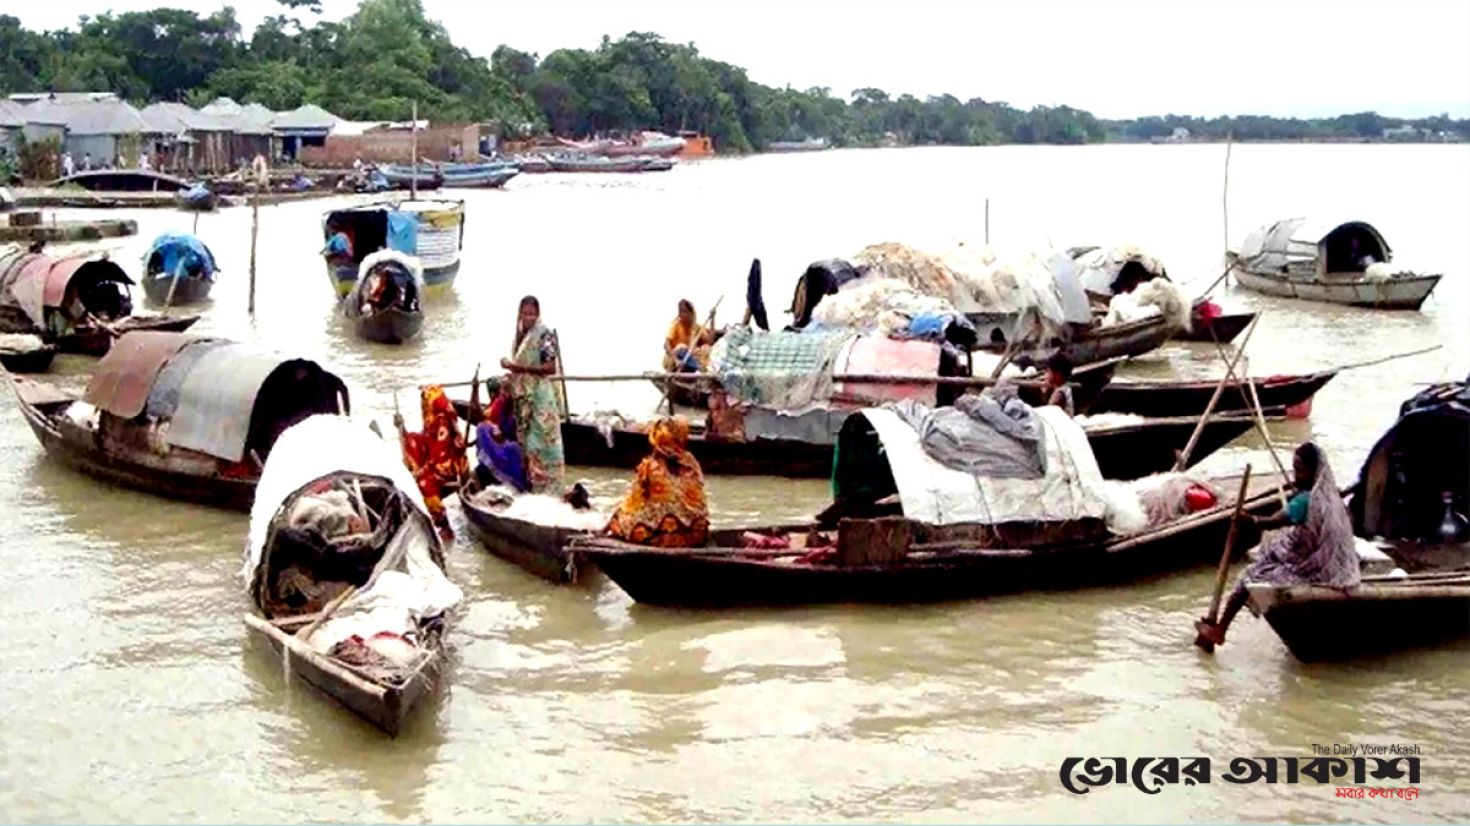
<point x="376" y="63"/>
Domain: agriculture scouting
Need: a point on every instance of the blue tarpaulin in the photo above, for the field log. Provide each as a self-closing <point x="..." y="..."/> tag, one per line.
<point x="178" y="249"/>
<point x="403" y="233"/>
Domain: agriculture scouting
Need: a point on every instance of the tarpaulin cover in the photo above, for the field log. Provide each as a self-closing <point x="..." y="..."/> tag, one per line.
<point x="23" y="286"/>
<point x="318" y="447"/>
<point x="403" y="232"/>
<point x="181" y="251"/>
<point x="216" y="400"/>
<point x="992" y="435"/>
<point x="871" y="355"/>
<point x="163" y="400"/>
<point x="128" y="373"/>
<point x="60" y="272"/>
<point x="1298" y="241"/>
<point x="787" y="371"/>
<point x="1072" y="487"/>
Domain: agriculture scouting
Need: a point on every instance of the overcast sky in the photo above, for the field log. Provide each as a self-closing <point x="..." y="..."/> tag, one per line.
<point x="1116" y="59"/>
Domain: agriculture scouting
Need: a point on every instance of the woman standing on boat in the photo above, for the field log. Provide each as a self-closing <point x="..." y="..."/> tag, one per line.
<point x="1315" y="548"/>
<point x="537" y="407"/>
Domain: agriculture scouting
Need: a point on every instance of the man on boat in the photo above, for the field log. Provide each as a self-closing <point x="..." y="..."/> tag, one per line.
<point x="686" y="346"/>
<point x="666" y="506"/>
<point x="1058" y="385"/>
<point x="1314" y="548"/>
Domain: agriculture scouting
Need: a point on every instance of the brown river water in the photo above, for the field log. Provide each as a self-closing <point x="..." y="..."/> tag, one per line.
<point x="134" y="695"/>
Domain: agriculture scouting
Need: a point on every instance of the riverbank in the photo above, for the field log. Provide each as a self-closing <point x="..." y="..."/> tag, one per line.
<point x="67" y="198"/>
<point x="36" y="228"/>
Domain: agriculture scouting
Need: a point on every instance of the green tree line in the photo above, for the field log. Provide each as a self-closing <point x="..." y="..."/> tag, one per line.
<point x="376" y="63"/>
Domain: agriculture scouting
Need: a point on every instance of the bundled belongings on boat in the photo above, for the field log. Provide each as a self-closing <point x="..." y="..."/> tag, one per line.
<point x="430" y="231"/>
<point x="1107" y="275"/>
<point x="346" y="569"/>
<point x="1344" y="262"/>
<point x="180" y="416"/>
<point x="80" y="303"/>
<point x="935" y="505"/>
<point x="178" y="269"/>
<point x="25" y="353"/>
<point x="384" y="304"/>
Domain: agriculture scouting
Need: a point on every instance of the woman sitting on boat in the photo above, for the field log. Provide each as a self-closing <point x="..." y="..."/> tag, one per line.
<point x="501" y="461"/>
<point x="686" y="346"/>
<point x="1315" y="548"/>
<point x="538" y="412"/>
<point x="338" y="248"/>
<point x="665" y="506"/>
<point x="435" y="456"/>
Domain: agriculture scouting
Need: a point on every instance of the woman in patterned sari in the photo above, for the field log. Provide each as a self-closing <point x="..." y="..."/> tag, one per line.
<point x="537" y="407"/>
<point x="665" y="506"/>
<point x="1315" y="547"/>
<point x="436" y="456"/>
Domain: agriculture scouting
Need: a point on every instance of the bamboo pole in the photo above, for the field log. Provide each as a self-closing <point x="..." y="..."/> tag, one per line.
<point x="851" y="378"/>
<point x="1214" y="399"/>
<point x="1223" y="572"/>
<point x="1225" y="196"/>
<point x="413" y="181"/>
<point x="987" y="221"/>
<point x="254" y="233"/>
<point x="1394" y="357"/>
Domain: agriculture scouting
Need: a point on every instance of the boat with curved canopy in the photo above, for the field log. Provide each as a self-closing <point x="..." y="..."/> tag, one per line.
<point x="346" y="570"/>
<point x="384" y="305"/>
<point x="178" y="269"/>
<point x="184" y="417"/>
<point x="80" y="303"/>
<point x="430" y="230"/>
<point x="1343" y="262"/>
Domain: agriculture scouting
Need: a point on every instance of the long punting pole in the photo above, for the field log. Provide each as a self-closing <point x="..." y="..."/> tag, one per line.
<point x="413" y="182"/>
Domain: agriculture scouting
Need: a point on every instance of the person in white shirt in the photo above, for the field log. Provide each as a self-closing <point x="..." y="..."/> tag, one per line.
<point x="68" y="166"/>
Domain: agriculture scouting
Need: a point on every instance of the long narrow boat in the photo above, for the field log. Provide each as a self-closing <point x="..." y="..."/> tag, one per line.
<point x="1124" y="451"/>
<point x="384" y="305"/>
<point x="431" y="231"/>
<point x="938" y="564"/>
<point x="178" y="270"/>
<point x="223" y="405"/>
<point x="1133" y="338"/>
<point x="538" y="548"/>
<point x="346" y="570"/>
<point x="403" y="176"/>
<point x="80" y="303"/>
<point x="1221" y="328"/>
<point x="478" y="176"/>
<point x="1190" y="398"/>
<point x="594" y="163"/>
<point x="1328" y="261"/>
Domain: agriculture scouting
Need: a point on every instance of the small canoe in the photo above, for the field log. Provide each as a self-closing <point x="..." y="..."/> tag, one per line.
<point x="725" y="574"/>
<point x="1380" y="615"/>
<point x="391" y="326"/>
<point x="540" y="549"/>
<point x="178" y="269"/>
<point x="26" y="354"/>
<point x="402" y="176"/>
<point x="572" y="163"/>
<point x="1221" y="328"/>
<point x="1097" y="344"/>
<point x="384" y="303"/>
<point x="197" y="199"/>
<point x="1190" y="398"/>
<point x="93" y="340"/>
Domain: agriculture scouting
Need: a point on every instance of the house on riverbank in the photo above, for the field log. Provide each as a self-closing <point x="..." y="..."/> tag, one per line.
<point x="188" y="139"/>
<point x="97" y="124"/>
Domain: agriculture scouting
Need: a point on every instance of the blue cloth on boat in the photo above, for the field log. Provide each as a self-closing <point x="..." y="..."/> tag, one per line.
<point x="403" y="233"/>
<point x="177" y="249"/>
<point x="1298" y="506"/>
<point x="198" y="193"/>
<point x="338" y="245"/>
<point x="928" y="325"/>
<point x="504" y="460"/>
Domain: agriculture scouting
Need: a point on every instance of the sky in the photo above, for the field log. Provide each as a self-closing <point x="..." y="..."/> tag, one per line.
<point x="1116" y="59"/>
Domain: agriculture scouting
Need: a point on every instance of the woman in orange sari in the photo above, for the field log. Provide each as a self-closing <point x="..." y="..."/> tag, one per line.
<point x="435" y="457"/>
<point x="665" y="507"/>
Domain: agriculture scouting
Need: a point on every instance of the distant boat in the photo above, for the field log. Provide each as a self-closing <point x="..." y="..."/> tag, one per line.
<point x="595" y="163"/>
<point x="402" y="176"/>
<point x="533" y="164"/>
<point x="178" y="270"/>
<point x="1338" y="262"/>
<point x="197" y="198"/>
<point x="658" y="164"/>
<point x="656" y="144"/>
<point x="124" y="180"/>
<point x="808" y="145"/>
<point x="478" y="176"/>
<point x="430" y="230"/>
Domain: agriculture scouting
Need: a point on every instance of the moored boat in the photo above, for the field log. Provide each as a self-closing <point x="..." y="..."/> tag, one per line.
<point x="197" y="198"/>
<point x="1346" y="262"/>
<point x="179" y="416"/>
<point x="405" y="176"/>
<point x="430" y="230"/>
<point x="807" y="145"/>
<point x="345" y="569"/>
<point x="478" y="176"/>
<point x="535" y="537"/>
<point x="80" y="303"/>
<point x="24" y="353"/>
<point x="1094" y="344"/>
<point x="178" y="270"/>
<point x="1222" y="328"/>
<point x="1190" y="398"/>
<point x="566" y="162"/>
<point x="384" y="305"/>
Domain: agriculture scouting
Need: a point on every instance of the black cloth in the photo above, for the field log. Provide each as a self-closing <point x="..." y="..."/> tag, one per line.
<point x="753" y="300"/>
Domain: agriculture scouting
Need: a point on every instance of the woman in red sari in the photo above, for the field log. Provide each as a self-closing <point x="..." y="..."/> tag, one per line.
<point x="436" y="456"/>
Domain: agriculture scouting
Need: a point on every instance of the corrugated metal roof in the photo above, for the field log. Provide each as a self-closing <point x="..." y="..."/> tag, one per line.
<point x="308" y="117"/>
<point x="171" y="118"/>
<point x="1296" y="239"/>
<point x="250" y="119"/>
<point x="95" y="117"/>
<point x="126" y="375"/>
<point x="64" y="97"/>
<point x="16" y="115"/>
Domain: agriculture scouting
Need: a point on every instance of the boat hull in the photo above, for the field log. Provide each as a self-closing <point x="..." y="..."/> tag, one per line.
<point x="1319" y="623"/>
<point x="80" y="451"/>
<point x="696" y="580"/>
<point x="189" y="291"/>
<point x="1118" y="341"/>
<point x="36" y="360"/>
<point x="385" y="706"/>
<point x="1222" y="328"/>
<point x="96" y="341"/>
<point x="1163" y="398"/>
<point x="1389" y="294"/>
<point x="388" y="326"/>
<point x="539" y="549"/>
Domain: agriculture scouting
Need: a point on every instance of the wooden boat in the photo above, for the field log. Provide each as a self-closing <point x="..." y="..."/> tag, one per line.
<point x="540" y="549"/>
<point x="124" y="180"/>
<point x="594" y="163"/>
<point x="533" y="164"/>
<point x="686" y="392"/>
<point x="1190" y="398"/>
<point x="1318" y="261"/>
<point x="224" y="404"/>
<point x="645" y="144"/>
<point x="25" y="353"/>
<point x="1221" y="328"/>
<point x="384" y="304"/>
<point x="329" y="545"/>
<point x="178" y="270"/>
<point x="197" y="199"/>
<point x="403" y="176"/>
<point x="657" y="164"/>
<point x="431" y="231"/>
<point x="808" y="145"/>
<point x="955" y="562"/>
<point x="80" y="303"/>
<point x="478" y="176"/>
<point x="1090" y="345"/>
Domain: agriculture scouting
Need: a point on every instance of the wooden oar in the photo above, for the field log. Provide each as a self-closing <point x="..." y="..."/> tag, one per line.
<point x="172" y="285"/>
<point x="1215" y="399"/>
<point x="1223" y="571"/>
